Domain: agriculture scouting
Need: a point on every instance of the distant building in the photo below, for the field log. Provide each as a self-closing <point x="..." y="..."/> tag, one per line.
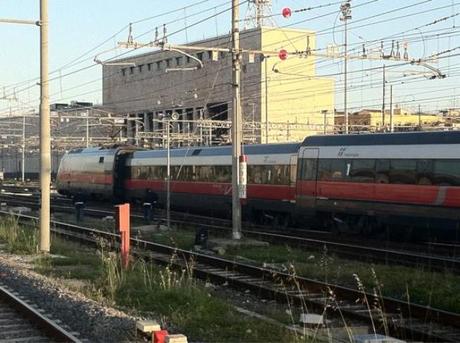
<point x="372" y="120"/>
<point x="274" y="91"/>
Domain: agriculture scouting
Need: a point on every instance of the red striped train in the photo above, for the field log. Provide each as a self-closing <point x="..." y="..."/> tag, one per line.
<point x="353" y="183"/>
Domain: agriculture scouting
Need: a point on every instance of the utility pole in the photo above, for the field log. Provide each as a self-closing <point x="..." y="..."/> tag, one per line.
<point x="236" y="121"/>
<point x="87" y="128"/>
<point x="266" y="100"/>
<point x="383" y="97"/>
<point x="45" y="141"/>
<point x="23" y="167"/>
<point x="391" y="109"/>
<point x="168" y="175"/>
<point x="420" y="117"/>
<point x="346" y="15"/>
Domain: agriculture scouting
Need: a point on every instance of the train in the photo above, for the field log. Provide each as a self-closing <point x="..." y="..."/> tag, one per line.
<point x="361" y="183"/>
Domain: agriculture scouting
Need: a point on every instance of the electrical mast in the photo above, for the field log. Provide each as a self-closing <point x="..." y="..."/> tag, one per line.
<point x="236" y="121"/>
<point x="346" y="15"/>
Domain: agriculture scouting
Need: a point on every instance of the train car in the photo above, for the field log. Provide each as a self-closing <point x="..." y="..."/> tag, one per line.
<point x="365" y="182"/>
<point x="93" y="173"/>
<point x="201" y="179"/>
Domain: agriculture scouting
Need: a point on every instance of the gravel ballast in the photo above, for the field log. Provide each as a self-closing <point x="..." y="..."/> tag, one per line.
<point x="93" y="321"/>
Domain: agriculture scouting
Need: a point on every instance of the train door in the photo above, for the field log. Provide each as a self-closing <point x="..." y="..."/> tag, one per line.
<point x="120" y="174"/>
<point x="306" y="190"/>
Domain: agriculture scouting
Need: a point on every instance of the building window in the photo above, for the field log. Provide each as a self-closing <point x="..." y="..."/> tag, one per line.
<point x="149" y="66"/>
<point x="223" y="54"/>
<point x="168" y="63"/>
<point x="199" y="56"/>
<point x="159" y="65"/>
<point x="140" y="66"/>
<point x="123" y="71"/>
<point x="188" y="59"/>
<point x="210" y="55"/>
<point x="178" y="61"/>
<point x="131" y="70"/>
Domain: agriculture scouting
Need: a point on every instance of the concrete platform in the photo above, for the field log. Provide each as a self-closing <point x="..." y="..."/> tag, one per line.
<point x="220" y="245"/>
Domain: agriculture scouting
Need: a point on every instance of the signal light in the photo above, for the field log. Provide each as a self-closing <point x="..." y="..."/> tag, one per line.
<point x="286" y="12"/>
<point x="283" y="55"/>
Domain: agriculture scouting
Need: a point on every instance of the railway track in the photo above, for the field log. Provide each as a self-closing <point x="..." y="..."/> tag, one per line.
<point x="404" y="320"/>
<point x="437" y="257"/>
<point x="20" y="322"/>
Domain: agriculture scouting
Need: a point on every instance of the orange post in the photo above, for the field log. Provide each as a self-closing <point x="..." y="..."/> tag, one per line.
<point x="123" y="225"/>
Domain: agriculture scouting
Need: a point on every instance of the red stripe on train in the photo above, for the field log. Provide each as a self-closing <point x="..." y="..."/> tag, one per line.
<point x="270" y="192"/>
<point x="96" y="178"/>
<point x="397" y="193"/>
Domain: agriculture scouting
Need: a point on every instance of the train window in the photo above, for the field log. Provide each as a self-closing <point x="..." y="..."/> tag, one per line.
<point x="308" y="169"/>
<point x="101" y="159"/>
<point x="382" y="170"/>
<point x="332" y="170"/>
<point x="281" y="175"/>
<point x="255" y="174"/>
<point x="447" y="172"/>
<point x="362" y="171"/>
<point x="403" y="172"/>
<point x="222" y="174"/>
<point x="424" y="172"/>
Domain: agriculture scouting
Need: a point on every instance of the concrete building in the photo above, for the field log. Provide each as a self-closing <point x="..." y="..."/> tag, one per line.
<point x="403" y="120"/>
<point x="286" y="94"/>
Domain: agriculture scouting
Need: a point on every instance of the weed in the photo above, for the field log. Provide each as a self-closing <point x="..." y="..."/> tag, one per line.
<point x="18" y="239"/>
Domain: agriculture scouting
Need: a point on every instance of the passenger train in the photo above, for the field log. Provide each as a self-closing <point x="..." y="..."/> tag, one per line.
<point x="358" y="183"/>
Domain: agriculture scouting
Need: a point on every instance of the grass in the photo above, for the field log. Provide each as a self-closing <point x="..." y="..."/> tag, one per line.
<point x="175" y="297"/>
<point x="16" y="239"/>
<point x="437" y="289"/>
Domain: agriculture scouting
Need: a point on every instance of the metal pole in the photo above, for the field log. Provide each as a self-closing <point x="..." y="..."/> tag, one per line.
<point x="345" y="7"/>
<point x="345" y="95"/>
<point x="391" y="109"/>
<point x="420" y="117"/>
<point x="266" y="101"/>
<point x="324" y="122"/>
<point x="383" y="97"/>
<point x="236" y="121"/>
<point x="45" y="148"/>
<point x="23" y="147"/>
<point x="168" y="176"/>
<point x="87" y="129"/>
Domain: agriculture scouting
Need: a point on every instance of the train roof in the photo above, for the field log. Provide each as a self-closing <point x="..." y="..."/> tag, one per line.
<point x="259" y="149"/>
<point x="112" y="149"/>
<point x="403" y="138"/>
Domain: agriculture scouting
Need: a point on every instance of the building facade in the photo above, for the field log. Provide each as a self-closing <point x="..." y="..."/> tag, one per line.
<point x="403" y="120"/>
<point x="281" y="100"/>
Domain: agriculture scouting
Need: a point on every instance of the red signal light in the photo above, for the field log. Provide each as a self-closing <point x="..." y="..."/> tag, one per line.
<point x="283" y="55"/>
<point x="286" y="12"/>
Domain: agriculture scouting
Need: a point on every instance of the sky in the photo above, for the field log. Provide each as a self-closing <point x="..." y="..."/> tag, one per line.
<point x="80" y="30"/>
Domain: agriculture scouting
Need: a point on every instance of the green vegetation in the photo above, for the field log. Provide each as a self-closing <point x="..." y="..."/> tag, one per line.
<point x="174" y="296"/>
<point x="16" y="239"/>
<point x="439" y="290"/>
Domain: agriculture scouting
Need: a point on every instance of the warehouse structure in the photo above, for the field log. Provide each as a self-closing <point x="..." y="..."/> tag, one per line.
<point x="281" y="100"/>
